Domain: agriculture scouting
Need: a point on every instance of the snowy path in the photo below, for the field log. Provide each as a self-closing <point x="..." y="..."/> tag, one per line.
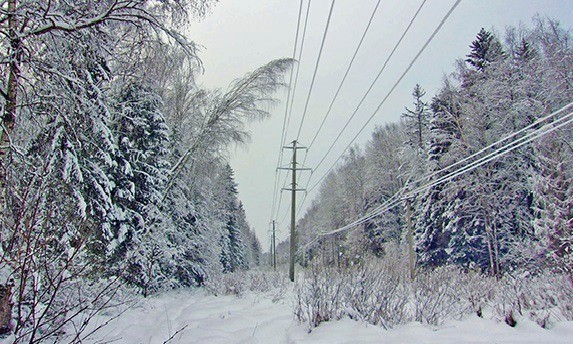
<point x="257" y="319"/>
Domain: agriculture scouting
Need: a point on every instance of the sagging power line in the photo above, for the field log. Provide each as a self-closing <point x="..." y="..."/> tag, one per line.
<point x="550" y="125"/>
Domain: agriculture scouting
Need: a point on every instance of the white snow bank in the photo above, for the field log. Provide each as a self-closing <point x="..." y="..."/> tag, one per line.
<point x="255" y="318"/>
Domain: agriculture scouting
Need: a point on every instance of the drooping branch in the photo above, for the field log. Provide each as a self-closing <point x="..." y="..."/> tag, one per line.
<point x="244" y="100"/>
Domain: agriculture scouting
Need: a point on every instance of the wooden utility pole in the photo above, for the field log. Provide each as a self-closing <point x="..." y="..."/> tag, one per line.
<point x="410" y="238"/>
<point x="294" y="169"/>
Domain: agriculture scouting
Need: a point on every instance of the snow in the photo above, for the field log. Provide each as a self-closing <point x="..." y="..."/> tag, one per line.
<point x="268" y="318"/>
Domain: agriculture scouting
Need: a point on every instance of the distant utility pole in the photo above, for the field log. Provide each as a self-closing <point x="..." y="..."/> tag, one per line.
<point x="272" y="246"/>
<point x="409" y="234"/>
<point x="271" y="252"/>
<point x="274" y="258"/>
<point x="294" y="169"/>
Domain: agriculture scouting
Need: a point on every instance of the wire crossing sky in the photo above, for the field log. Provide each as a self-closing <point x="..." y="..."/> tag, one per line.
<point x="240" y="36"/>
<point x="281" y="143"/>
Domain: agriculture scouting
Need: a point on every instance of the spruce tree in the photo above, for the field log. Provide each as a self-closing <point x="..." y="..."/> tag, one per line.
<point x="140" y="175"/>
<point x="417" y="120"/>
<point x="485" y="49"/>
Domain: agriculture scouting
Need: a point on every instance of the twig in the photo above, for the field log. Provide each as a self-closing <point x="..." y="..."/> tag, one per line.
<point x="176" y="332"/>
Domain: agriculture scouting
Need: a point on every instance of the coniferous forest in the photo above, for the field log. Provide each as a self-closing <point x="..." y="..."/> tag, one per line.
<point x="115" y="177"/>
<point x="114" y="169"/>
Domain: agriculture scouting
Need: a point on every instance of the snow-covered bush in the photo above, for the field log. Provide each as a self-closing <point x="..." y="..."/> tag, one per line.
<point x="436" y="296"/>
<point x="380" y="292"/>
<point x="545" y="299"/>
<point x="320" y="296"/>
<point x="564" y="293"/>
<point x="237" y="283"/>
<point x="477" y="290"/>
<point x="374" y="291"/>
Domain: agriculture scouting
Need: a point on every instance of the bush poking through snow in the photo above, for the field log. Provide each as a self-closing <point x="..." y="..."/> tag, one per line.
<point x="373" y="291"/>
<point x="237" y="283"/>
<point x="379" y="292"/>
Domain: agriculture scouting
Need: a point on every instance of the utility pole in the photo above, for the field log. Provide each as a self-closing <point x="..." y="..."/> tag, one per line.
<point x="274" y="258"/>
<point x="410" y="238"/>
<point x="294" y="169"/>
<point x="271" y="254"/>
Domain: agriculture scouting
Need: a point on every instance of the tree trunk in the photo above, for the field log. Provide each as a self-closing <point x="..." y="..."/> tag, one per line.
<point x="490" y="249"/>
<point x="5" y="309"/>
<point x="8" y="123"/>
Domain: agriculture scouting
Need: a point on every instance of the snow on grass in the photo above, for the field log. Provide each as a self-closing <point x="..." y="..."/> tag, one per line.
<point x="261" y="318"/>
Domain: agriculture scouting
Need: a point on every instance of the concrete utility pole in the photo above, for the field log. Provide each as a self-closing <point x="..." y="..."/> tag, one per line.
<point x="274" y="258"/>
<point x="294" y="169"/>
<point x="410" y="238"/>
<point x="271" y="253"/>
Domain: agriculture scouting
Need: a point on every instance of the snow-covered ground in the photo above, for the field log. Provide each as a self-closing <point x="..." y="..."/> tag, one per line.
<point x="192" y="316"/>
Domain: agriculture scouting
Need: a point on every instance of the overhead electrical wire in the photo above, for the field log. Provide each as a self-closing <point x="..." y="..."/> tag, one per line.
<point x="345" y="73"/>
<point x="315" y="69"/>
<point x="280" y="199"/>
<point x="291" y="106"/>
<point x="311" y="84"/>
<point x="298" y="66"/>
<point x="492" y="155"/>
<point x="499" y="152"/>
<point x="373" y="83"/>
<point x="388" y="204"/>
<point x="530" y="126"/>
<point x="337" y="93"/>
<point x="380" y="211"/>
<point x="283" y="134"/>
<point x="428" y="41"/>
<point x="412" y="20"/>
<point x="285" y="122"/>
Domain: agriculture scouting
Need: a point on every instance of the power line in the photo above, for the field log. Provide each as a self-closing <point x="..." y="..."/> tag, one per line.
<point x="363" y="97"/>
<point x="391" y="90"/>
<point x="345" y="74"/>
<point x="337" y="93"/>
<point x="388" y="204"/>
<point x="283" y="134"/>
<point x="532" y="125"/>
<point x="293" y="96"/>
<point x="371" y="87"/>
<point x="281" y="198"/>
<point x="499" y="152"/>
<point x="483" y="150"/>
<point x="315" y="69"/>
<point x="298" y="67"/>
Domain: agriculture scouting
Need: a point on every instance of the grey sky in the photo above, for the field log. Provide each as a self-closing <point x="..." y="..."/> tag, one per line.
<point x="240" y="36"/>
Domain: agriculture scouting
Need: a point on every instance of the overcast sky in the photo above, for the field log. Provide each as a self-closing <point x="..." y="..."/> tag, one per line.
<point x="240" y="36"/>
